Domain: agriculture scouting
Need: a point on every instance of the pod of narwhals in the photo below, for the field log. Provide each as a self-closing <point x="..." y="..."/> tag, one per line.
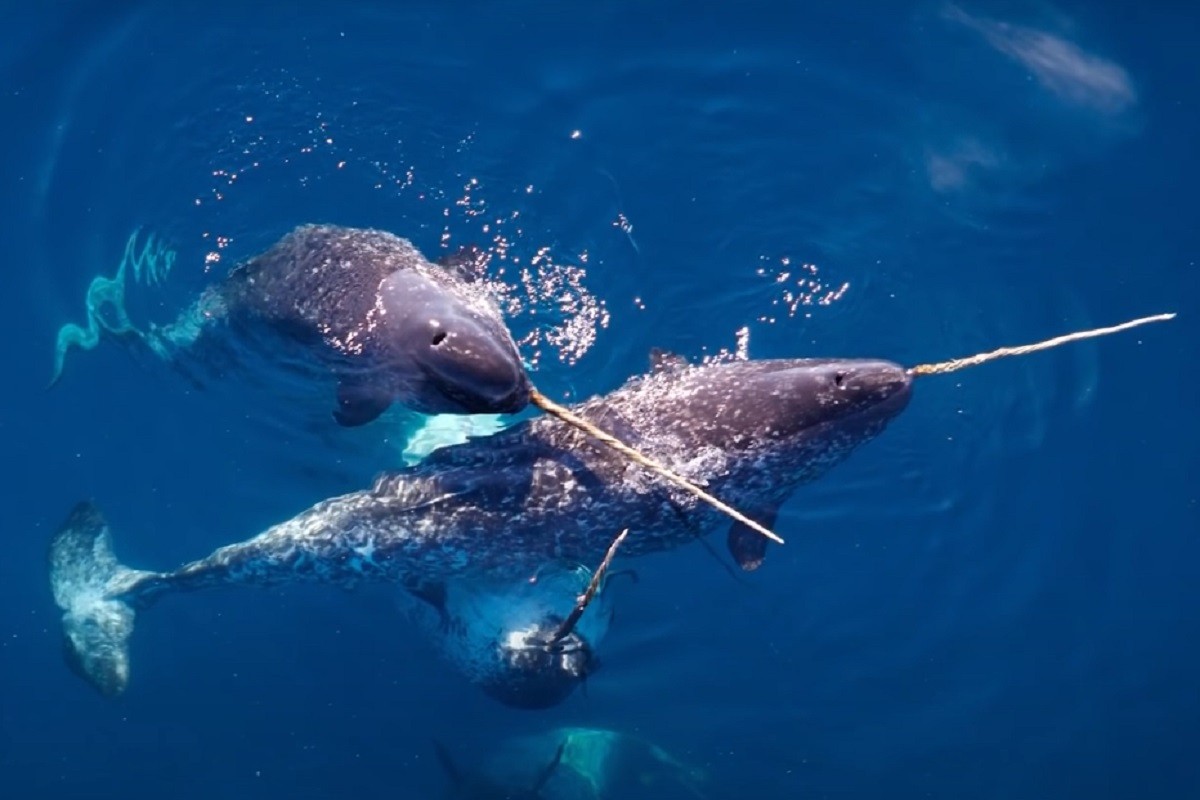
<point x="505" y="538"/>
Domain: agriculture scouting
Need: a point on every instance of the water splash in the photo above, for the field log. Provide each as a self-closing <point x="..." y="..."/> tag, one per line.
<point x="443" y="430"/>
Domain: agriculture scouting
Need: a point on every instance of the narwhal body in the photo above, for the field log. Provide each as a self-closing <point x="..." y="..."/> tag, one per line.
<point x="499" y="509"/>
<point x="361" y="306"/>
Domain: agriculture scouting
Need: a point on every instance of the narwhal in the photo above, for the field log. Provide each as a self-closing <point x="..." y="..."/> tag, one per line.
<point x="472" y="785"/>
<point x="588" y="764"/>
<point x="498" y="509"/>
<point x="360" y="305"/>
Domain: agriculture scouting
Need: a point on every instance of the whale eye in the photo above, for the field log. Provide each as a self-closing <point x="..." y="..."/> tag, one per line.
<point x="438" y="338"/>
<point x="838" y="378"/>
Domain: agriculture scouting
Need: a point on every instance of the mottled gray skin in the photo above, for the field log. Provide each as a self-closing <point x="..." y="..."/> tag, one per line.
<point x="390" y="325"/>
<point x="501" y="507"/>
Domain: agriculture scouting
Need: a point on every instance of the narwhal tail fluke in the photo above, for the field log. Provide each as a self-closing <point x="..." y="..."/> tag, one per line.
<point x="94" y="591"/>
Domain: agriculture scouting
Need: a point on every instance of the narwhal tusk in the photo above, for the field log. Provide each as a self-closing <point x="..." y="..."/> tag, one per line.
<point x="581" y="602"/>
<point x="550" y="407"/>
<point x="956" y="364"/>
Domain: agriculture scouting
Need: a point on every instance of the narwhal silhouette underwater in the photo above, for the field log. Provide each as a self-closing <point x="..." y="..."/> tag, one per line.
<point x="480" y="518"/>
<point x="574" y="763"/>
<point x="361" y="305"/>
<point x="475" y="785"/>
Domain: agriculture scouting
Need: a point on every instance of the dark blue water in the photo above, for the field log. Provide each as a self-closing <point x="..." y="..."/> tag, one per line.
<point x="997" y="598"/>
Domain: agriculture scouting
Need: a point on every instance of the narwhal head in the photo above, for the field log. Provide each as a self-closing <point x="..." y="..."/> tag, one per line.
<point x="443" y="348"/>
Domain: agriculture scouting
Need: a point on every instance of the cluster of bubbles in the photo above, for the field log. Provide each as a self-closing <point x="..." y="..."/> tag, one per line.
<point x="277" y="133"/>
<point x="796" y="289"/>
<point x="543" y="296"/>
<point x="542" y="292"/>
<point x="799" y="287"/>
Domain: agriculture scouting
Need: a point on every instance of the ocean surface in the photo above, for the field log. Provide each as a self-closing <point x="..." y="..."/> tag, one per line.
<point x="997" y="598"/>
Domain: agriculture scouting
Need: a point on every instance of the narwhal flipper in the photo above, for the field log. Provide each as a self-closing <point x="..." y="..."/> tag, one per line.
<point x="360" y="401"/>
<point x="87" y="579"/>
<point x="447" y="761"/>
<point x="434" y="594"/>
<point x="548" y="770"/>
<point x="747" y="546"/>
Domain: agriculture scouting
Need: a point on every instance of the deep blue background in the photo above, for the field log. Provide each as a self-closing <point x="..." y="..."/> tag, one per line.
<point x="995" y="599"/>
